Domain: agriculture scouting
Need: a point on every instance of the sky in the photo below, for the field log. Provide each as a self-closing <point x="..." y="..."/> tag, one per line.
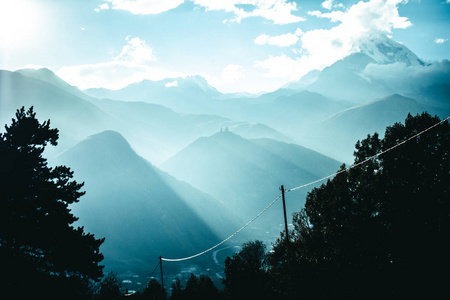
<point x="236" y="45"/>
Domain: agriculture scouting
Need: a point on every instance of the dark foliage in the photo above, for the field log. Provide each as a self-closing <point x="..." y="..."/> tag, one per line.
<point x="245" y="274"/>
<point x="379" y="230"/>
<point x="41" y="254"/>
<point x="154" y="291"/>
<point x="109" y="289"/>
<point x="199" y="288"/>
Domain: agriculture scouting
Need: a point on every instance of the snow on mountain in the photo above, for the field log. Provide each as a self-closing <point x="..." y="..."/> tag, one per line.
<point x="384" y="50"/>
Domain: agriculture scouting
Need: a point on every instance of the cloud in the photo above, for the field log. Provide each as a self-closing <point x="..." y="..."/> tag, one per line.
<point x="133" y="64"/>
<point x="112" y="75"/>
<point x="278" y="11"/>
<point x="136" y="51"/>
<point x="232" y="73"/>
<point x="284" y="40"/>
<point x="440" y="41"/>
<point x="323" y="47"/>
<point x="402" y="78"/>
<point x="229" y="79"/>
<point x="172" y="84"/>
<point x="328" y="4"/>
<point x="103" y="6"/>
<point x="141" y="7"/>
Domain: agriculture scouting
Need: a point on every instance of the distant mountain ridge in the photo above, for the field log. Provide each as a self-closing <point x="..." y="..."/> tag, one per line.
<point x="341" y="130"/>
<point x="142" y="212"/>
<point x="246" y="174"/>
<point x="181" y="94"/>
<point x="155" y="131"/>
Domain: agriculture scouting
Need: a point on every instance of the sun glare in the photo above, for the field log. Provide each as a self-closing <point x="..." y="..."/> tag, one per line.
<point x="19" y="20"/>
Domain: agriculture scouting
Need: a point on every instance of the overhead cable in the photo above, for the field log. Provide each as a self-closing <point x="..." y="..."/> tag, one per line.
<point x="370" y="158"/>
<point x="236" y="232"/>
<point x="302" y="186"/>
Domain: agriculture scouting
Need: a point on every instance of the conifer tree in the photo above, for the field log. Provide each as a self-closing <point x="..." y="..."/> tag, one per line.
<point x="41" y="253"/>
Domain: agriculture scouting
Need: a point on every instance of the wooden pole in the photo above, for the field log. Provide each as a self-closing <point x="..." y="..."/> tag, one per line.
<point x="162" y="277"/>
<point x="287" y="244"/>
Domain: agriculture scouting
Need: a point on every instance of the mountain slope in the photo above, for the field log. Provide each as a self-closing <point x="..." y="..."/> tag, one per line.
<point x="48" y="76"/>
<point x="337" y="135"/>
<point x="342" y="80"/>
<point x="73" y="116"/>
<point x="345" y="80"/>
<point x="142" y="212"/>
<point x="245" y="175"/>
<point x="154" y="131"/>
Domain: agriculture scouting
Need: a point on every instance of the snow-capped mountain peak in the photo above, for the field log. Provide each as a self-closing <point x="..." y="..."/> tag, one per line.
<point x="385" y="50"/>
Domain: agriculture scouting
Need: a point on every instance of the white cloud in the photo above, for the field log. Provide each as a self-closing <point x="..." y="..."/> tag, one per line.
<point x="141" y="7"/>
<point x="232" y="73"/>
<point x="171" y="84"/>
<point x="102" y="6"/>
<point x="229" y="79"/>
<point x="112" y="75"/>
<point x="278" y="11"/>
<point x="323" y="47"/>
<point x="440" y="41"/>
<point x="284" y="40"/>
<point x="136" y="51"/>
<point x="403" y="78"/>
<point x="328" y="4"/>
<point x="130" y="66"/>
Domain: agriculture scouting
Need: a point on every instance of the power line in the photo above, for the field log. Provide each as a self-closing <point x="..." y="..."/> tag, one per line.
<point x="236" y="232"/>
<point x="370" y="158"/>
<point x="305" y="185"/>
<point x="157" y="265"/>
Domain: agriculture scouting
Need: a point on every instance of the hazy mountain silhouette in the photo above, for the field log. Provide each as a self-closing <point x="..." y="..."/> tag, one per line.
<point x="188" y="95"/>
<point x="246" y="174"/>
<point x="48" y="76"/>
<point x="142" y="211"/>
<point x="76" y="118"/>
<point x="344" y="79"/>
<point x="338" y="134"/>
<point x="154" y="131"/>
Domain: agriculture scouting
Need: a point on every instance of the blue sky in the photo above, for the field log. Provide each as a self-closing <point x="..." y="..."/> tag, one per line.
<point x="237" y="45"/>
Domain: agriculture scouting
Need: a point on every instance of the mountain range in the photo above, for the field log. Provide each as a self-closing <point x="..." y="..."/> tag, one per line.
<point x="142" y="211"/>
<point x="173" y="166"/>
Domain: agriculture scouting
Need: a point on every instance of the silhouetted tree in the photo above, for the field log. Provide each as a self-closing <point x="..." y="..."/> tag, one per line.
<point x="199" y="288"/>
<point x="41" y="254"/>
<point x="192" y="288"/>
<point x="380" y="229"/>
<point x="245" y="273"/>
<point x="206" y="288"/>
<point x="110" y="288"/>
<point x="154" y="291"/>
<point x="177" y="290"/>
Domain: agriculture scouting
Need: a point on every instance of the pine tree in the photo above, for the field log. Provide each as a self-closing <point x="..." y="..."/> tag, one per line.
<point x="41" y="253"/>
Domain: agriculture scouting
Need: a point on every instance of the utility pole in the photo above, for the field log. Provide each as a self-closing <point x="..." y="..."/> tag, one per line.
<point x="287" y="243"/>
<point x="162" y="277"/>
